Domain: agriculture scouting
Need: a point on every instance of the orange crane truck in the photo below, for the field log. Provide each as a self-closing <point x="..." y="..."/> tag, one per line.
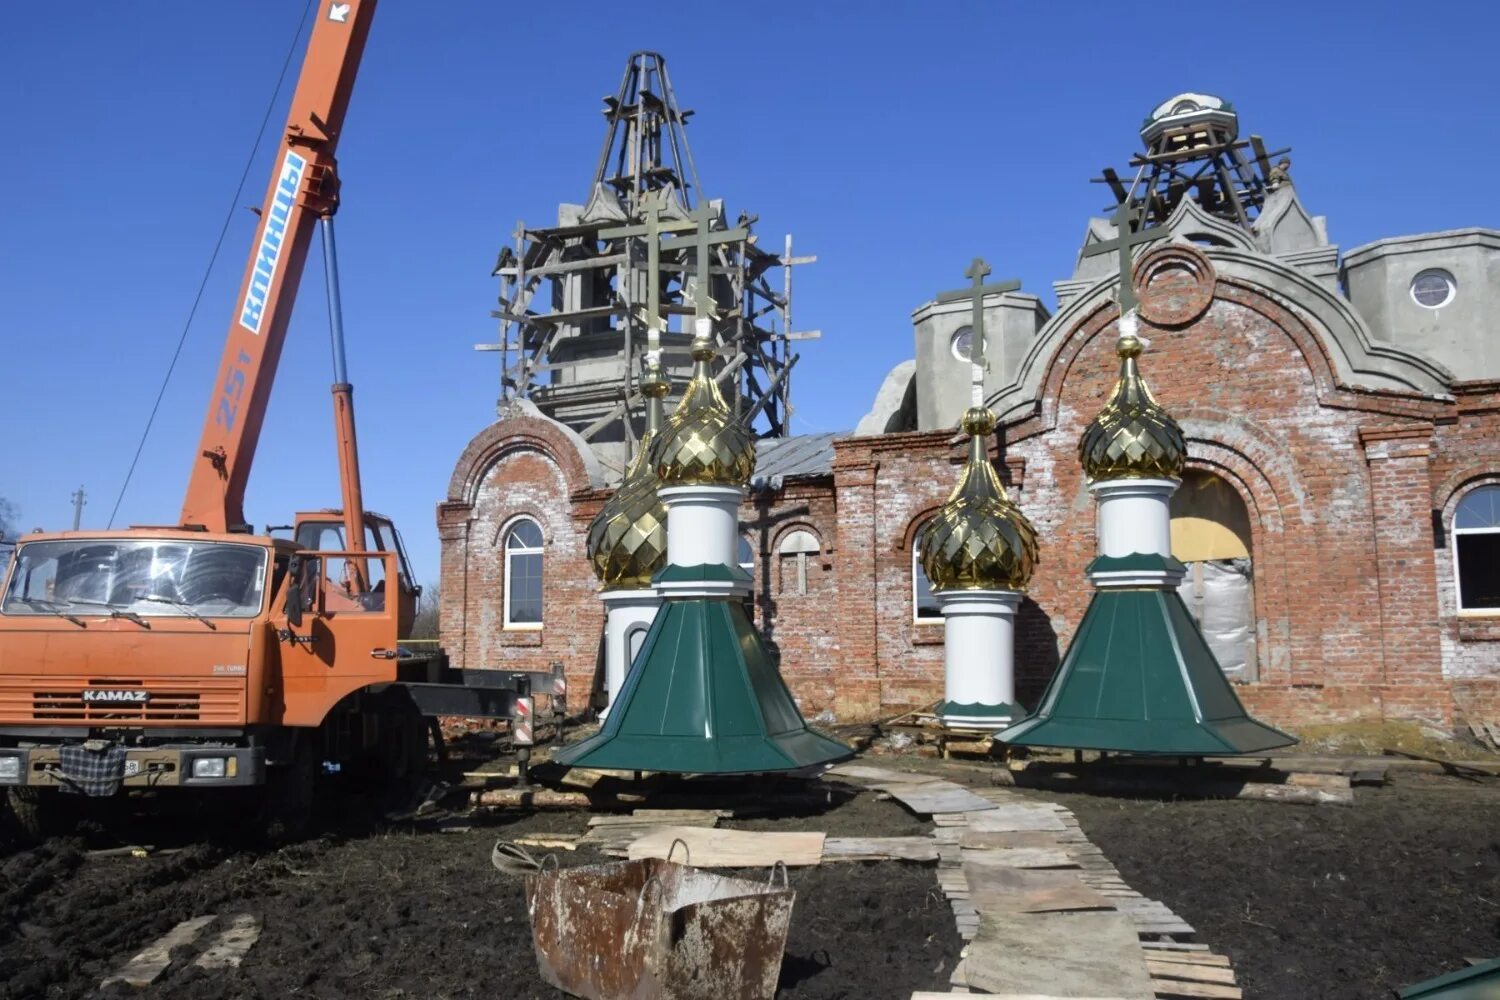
<point x="202" y="655"/>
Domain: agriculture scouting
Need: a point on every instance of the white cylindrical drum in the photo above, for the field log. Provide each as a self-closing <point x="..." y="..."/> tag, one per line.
<point x="628" y="614"/>
<point x="1134" y="516"/>
<point x="703" y="524"/>
<point x="979" y="655"/>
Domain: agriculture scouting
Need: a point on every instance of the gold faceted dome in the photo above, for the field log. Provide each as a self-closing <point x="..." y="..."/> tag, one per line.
<point x="702" y="444"/>
<point x="1133" y="437"/>
<point x="979" y="539"/>
<point x="627" y="541"/>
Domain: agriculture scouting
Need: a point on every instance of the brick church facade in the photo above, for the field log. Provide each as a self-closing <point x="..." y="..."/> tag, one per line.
<point x="1336" y="424"/>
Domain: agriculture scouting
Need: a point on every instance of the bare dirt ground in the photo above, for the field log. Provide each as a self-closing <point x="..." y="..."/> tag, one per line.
<point x="1309" y="902"/>
<point x="397" y="912"/>
<point x="1320" y="901"/>
<point x="1312" y="902"/>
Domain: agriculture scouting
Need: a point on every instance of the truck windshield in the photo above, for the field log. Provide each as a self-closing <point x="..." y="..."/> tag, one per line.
<point x="155" y="577"/>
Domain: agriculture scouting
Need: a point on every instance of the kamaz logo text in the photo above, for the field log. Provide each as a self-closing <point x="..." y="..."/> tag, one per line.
<point x="271" y="238"/>
<point x="116" y="697"/>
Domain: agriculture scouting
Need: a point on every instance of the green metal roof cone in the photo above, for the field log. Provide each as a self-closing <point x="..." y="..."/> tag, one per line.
<point x="703" y="697"/>
<point x="1139" y="678"/>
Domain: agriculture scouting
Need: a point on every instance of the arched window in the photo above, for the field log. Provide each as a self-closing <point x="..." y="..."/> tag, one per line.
<point x="523" y="575"/>
<point x="796" y="548"/>
<point x="1476" y="549"/>
<point x="924" y="604"/>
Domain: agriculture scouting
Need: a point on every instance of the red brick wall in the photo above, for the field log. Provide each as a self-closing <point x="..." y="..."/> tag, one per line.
<point x="521" y="466"/>
<point x="1353" y="589"/>
<point x="1467" y="454"/>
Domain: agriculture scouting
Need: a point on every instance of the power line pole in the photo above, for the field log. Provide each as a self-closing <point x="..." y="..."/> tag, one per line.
<point x="78" y="505"/>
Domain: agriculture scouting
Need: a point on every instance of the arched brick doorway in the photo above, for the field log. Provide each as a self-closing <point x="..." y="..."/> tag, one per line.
<point x="1211" y="536"/>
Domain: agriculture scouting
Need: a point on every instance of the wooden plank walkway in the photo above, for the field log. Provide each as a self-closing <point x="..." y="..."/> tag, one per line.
<point x="1046" y="915"/>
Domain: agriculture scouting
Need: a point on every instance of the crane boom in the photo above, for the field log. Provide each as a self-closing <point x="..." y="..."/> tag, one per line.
<point x="303" y="188"/>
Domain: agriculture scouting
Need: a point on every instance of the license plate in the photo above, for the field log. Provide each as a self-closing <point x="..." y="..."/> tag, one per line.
<point x="132" y="768"/>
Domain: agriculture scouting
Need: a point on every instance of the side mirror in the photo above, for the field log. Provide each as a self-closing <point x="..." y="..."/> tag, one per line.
<point x="294" y="592"/>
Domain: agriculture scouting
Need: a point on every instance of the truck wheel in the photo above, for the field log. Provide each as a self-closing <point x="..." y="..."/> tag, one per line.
<point x="288" y="796"/>
<point x="402" y="754"/>
<point x="36" y="814"/>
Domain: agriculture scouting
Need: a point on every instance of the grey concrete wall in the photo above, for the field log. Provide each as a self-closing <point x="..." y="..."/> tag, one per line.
<point x="1463" y="335"/>
<point x="943" y="392"/>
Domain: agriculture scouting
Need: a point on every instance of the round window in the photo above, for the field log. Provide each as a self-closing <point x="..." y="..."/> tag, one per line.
<point x="1433" y="289"/>
<point x="963" y="344"/>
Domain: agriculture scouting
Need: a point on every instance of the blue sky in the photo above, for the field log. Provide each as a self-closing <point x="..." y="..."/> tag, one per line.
<point x="894" y="140"/>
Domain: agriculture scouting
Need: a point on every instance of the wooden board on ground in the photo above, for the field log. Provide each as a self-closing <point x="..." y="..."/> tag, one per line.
<point x="1179" y="990"/>
<point x="229" y="949"/>
<point x="550" y="841"/>
<point x="938" y="797"/>
<point x="152" y="961"/>
<point x="662" y="817"/>
<point x="709" y="848"/>
<point x="868" y="774"/>
<point x="583" y="777"/>
<point x="1090" y="954"/>
<point x="1015" y="818"/>
<point x="922" y="995"/>
<point x="1019" y="857"/>
<point x="1045" y="891"/>
<point x="879" y="849"/>
<point x="1045" y="839"/>
<point x="1193" y="972"/>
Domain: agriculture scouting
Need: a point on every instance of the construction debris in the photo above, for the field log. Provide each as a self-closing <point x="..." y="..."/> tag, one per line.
<point x="709" y="848"/>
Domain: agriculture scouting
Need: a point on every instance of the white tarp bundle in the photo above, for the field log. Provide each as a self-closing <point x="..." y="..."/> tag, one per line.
<point x="1218" y="595"/>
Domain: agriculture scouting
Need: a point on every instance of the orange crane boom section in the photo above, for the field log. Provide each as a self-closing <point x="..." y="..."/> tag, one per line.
<point x="303" y="188"/>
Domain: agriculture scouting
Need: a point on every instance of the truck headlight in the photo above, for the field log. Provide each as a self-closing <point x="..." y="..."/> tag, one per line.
<point x="10" y="770"/>
<point x="208" y="767"/>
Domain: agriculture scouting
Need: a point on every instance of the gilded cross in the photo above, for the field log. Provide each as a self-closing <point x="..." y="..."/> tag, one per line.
<point x="1126" y="239"/>
<point x="652" y="227"/>
<point x="978" y="270"/>
<point x="702" y="241"/>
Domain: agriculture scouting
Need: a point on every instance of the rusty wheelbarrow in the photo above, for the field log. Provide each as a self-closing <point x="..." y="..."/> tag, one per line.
<point x="633" y="930"/>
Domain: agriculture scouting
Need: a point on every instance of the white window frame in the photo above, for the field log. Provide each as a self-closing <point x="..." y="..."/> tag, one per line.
<point x="1436" y="272"/>
<point x="506" y="553"/>
<point x="953" y="344"/>
<point x="1457" y="533"/>
<point x="916" y="568"/>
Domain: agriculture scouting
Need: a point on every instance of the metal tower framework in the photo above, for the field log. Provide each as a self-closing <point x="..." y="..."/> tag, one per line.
<point x="574" y="306"/>
<point x="1193" y="149"/>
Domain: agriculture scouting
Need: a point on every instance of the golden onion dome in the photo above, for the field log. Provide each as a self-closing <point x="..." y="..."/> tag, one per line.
<point x="979" y="539"/>
<point x="627" y="541"/>
<point x="702" y="444"/>
<point x="1133" y="437"/>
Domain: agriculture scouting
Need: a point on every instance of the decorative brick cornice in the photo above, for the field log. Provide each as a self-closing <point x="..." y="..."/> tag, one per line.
<point x="1383" y="441"/>
<point x="1477" y="396"/>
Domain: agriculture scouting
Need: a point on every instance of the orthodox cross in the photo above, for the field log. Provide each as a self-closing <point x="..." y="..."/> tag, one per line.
<point x="1124" y="242"/>
<point x="977" y="272"/>
<point x="652" y="227"/>
<point x="702" y="241"/>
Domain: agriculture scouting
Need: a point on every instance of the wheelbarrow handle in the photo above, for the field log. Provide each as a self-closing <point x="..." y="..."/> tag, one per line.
<point x="786" y="882"/>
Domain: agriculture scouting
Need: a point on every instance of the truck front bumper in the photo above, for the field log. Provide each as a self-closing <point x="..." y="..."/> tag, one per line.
<point x="187" y="766"/>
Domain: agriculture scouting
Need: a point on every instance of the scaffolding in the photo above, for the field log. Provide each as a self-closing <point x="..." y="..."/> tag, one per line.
<point x="1193" y="149"/>
<point x="573" y="307"/>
